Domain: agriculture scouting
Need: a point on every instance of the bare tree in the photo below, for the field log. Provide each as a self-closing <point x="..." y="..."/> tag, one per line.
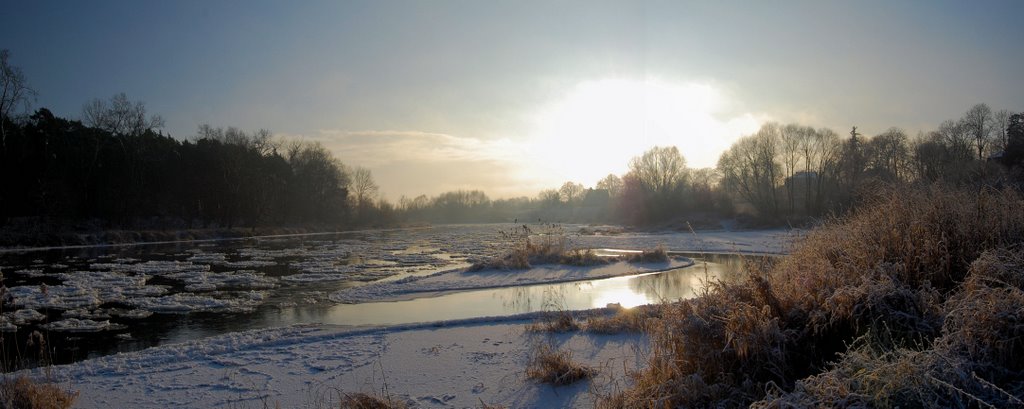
<point x="827" y="166"/>
<point x="889" y="152"/>
<point x="571" y="192"/>
<point x="1000" y="120"/>
<point x="791" y="137"/>
<point x="611" y="183"/>
<point x="660" y="170"/>
<point x="263" y="142"/>
<point x="810" y="149"/>
<point x="978" y="121"/>
<point x="14" y="93"/>
<point x="749" y="168"/>
<point x="957" y="138"/>
<point x="364" y="189"/>
<point x="119" y="116"/>
<point x="549" y="197"/>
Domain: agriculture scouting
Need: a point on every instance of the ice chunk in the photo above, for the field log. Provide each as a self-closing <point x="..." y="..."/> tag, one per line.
<point x="27" y="315"/>
<point x="77" y="325"/>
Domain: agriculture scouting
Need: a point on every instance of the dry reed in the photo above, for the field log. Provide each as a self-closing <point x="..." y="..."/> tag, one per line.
<point x="22" y="392"/>
<point x="881" y="308"/>
<point x="367" y="401"/>
<point x="550" y="365"/>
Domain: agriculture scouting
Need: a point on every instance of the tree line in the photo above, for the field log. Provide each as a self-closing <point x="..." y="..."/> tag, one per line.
<point x="110" y="171"/>
<point x="782" y="172"/>
<point x="114" y="168"/>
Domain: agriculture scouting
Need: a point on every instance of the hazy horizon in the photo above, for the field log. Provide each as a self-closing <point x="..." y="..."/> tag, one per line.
<point x="512" y="98"/>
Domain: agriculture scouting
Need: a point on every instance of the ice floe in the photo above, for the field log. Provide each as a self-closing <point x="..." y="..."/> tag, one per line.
<point x="78" y="325"/>
<point x="186" y="303"/>
<point x="60" y="297"/>
<point x="27" y="315"/>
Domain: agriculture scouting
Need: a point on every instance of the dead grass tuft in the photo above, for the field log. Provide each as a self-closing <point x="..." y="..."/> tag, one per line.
<point x="972" y="364"/>
<point x="549" y="365"/>
<point x="657" y="255"/>
<point x="560" y="321"/>
<point x="624" y="320"/>
<point x="582" y="258"/>
<point x="525" y="248"/>
<point x="367" y="401"/>
<point x="22" y="392"/>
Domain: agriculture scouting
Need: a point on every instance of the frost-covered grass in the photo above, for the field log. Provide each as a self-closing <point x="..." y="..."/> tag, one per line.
<point x="914" y="300"/>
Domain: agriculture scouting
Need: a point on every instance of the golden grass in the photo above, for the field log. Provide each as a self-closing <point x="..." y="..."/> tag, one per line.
<point x="624" y="320"/>
<point x="974" y="363"/>
<point x="582" y="258"/>
<point x="881" y="308"/>
<point x="657" y="255"/>
<point x="559" y="321"/>
<point x="525" y="248"/>
<point x="550" y="365"/>
<point x="22" y="392"/>
<point x="367" y="401"/>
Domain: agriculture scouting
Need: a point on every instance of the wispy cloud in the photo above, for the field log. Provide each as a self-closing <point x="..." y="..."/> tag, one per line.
<point x="382" y="147"/>
<point x="416" y="162"/>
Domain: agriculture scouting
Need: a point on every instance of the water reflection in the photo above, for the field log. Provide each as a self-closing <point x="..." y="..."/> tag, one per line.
<point x="627" y="291"/>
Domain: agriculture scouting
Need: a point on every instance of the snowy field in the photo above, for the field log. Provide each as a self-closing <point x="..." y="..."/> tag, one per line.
<point x="457" y="364"/>
<point x="460" y="364"/>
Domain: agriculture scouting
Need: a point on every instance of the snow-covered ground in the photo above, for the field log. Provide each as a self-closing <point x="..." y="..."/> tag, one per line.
<point x="452" y="364"/>
<point x="748" y="241"/>
<point x="455" y="364"/>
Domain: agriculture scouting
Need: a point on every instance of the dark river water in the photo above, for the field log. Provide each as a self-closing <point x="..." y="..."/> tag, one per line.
<point x="89" y="302"/>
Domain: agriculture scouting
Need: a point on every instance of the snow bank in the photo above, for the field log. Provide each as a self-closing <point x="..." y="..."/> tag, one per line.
<point x="450" y="364"/>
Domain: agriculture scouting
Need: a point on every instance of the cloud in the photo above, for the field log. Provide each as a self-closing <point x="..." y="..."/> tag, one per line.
<point x="373" y="147"/>
<point x="410" y="163"/>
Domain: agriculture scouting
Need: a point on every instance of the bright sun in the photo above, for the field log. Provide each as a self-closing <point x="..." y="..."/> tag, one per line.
<point x="600" y="125"/>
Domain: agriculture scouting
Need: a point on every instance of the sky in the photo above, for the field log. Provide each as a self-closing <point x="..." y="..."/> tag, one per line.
<point x="512" y="97"/>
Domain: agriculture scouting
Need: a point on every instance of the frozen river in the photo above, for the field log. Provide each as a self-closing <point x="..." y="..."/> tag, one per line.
<point x="95" y="301"/>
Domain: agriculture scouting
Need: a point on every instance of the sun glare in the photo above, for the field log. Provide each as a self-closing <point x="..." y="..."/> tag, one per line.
<point x="600" y="125"/>
<point x="625" y="297"/>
